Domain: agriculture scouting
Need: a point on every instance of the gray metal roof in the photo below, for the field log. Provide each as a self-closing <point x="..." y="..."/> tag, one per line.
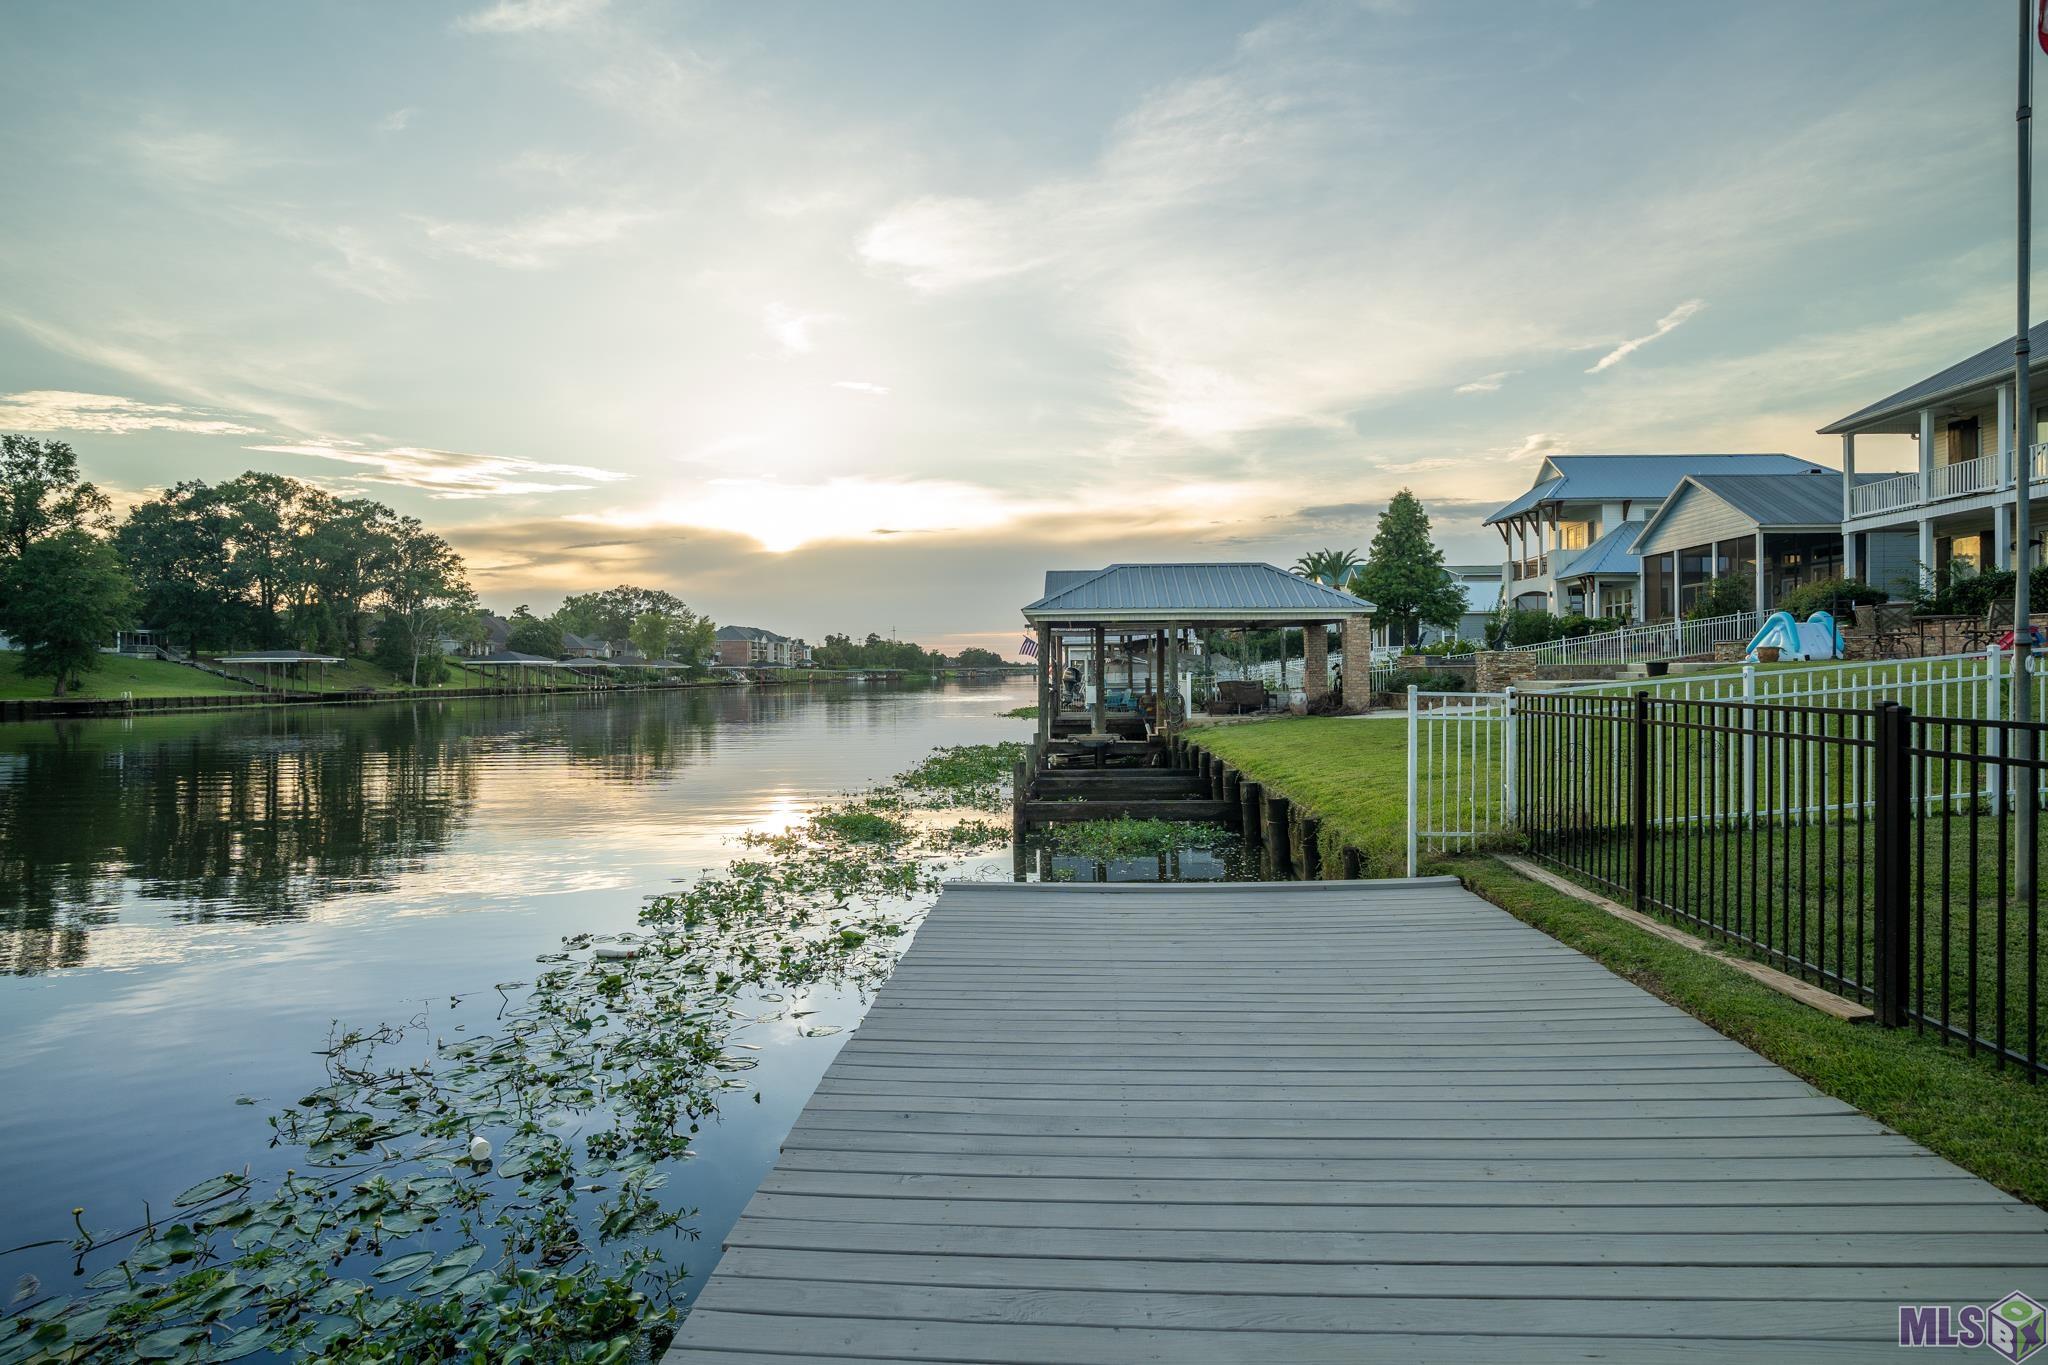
<point x="747" y="633"/>
<point x="1633" y="478"/>
<point x="1780" y="499"/>
<point x="1059" y="580"/>
<point x="513" y="656"/>
<point x="1613" y="554"/>
<point x="1162" y="592"/>
<point x="1769" y="501"/>
<point x="279" y="656"/>
<point x="1982" y="370"/>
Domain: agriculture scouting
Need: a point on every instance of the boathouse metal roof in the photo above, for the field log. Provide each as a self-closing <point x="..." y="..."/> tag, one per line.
<point x="1191" y="593"/>
<point x="513" y="656"/>
<point x="279" y="656"/>
<point x="1989" y="366"/>
<point x="1633" y="478"/>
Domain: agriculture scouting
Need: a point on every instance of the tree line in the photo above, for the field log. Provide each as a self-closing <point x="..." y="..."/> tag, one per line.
<point x="658" y="624"/>
<point x="260" y="561"/>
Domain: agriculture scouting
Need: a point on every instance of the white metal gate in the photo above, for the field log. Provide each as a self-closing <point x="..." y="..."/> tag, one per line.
<point x="1461" y="769"/>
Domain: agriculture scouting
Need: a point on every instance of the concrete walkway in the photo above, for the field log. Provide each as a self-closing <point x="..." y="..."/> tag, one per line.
<point x="1329" y="1121"/>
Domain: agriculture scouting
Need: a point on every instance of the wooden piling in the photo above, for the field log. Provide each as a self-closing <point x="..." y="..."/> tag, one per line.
<point x="1274" y="827"/>
<point x="1251" y="801"/>
<point x="1353" y="864"/>
<point x="1311" y="853"/>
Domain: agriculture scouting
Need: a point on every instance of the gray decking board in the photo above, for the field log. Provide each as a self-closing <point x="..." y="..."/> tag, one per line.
<point x="1336" y="1121"/>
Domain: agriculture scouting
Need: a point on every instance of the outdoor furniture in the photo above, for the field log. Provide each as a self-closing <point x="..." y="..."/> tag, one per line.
<point x="1238" y="698"/>
<point x="1891" y="625"/>
<point x="1995" y="629"/>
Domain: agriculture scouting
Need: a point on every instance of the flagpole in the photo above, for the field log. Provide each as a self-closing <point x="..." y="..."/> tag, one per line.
<point x="2023" y="453"/>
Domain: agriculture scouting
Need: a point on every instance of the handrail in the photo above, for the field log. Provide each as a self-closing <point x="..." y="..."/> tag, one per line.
<point x="1637" y="644"/>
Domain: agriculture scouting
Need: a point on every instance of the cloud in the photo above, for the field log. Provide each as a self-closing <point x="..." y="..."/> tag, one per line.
<point x="782" y="516"/>
<point x="397" y="121"/>
<point x="1666" y="325"/>
<point x="861" y="386"/>
<point x="790" y="329"/>
<point x="454" y="475"/>
<point x="528" y="16"/>
<point x="1486" y="383"/>
<point x="534" y="243"/>
<point x="940" y="243"/>
<point x="58" y="410"/>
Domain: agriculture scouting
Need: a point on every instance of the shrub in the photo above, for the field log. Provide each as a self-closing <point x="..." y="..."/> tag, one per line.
<point x="1838" y="596"/>
<point x="1722" y="597"/>
<point x="1575" y="626"/>
<point x="1521" y="627"/>
<point x="1436" y="680"/>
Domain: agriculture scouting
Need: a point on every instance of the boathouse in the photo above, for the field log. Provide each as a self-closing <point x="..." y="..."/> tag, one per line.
<point x="1137" y="625"/>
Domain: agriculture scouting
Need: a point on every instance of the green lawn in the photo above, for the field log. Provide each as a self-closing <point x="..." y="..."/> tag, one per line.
<point x="116" y="674"/>
<point x="1989" y="1122"/>
<point x="1351" y="774"/>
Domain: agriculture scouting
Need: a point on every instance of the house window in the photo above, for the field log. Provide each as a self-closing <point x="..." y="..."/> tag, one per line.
<point x="1618" y="601"/>
<point x="1574" y="535"/>
<point x="1657" y="588"/>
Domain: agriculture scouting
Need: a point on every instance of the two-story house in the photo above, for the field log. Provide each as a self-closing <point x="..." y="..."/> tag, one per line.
<point x="1958" y="501"/>
<point x="753" y="647"/>
<point x="1570" y="538"/>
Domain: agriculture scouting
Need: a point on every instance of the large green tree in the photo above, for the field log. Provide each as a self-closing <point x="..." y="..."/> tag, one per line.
<point x="191" y="589"/>
<point x="61" y="599"/>
<point x="425" y="594"/>
<point x="42" y="495"/>
<point x="532" y="634"/>
<point x="1404" y="574"/>
<point x="650" y="634"/>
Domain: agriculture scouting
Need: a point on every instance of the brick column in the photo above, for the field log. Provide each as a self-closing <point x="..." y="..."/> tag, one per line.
<point x="1315" y="661"/>
<point x="1357" y="662"/>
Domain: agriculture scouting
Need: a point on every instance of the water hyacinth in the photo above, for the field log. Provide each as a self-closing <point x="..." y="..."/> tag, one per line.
<point x="499" y="1200"/>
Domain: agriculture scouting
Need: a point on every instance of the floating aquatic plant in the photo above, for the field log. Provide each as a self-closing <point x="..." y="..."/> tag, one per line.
<point x="499" y="1199"/>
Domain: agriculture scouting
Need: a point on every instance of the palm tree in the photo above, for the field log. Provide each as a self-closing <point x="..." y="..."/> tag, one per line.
<point x="1331" y="568"/>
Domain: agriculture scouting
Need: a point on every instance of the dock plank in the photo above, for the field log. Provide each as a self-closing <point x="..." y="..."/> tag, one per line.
<point x="1341" y="1121"/>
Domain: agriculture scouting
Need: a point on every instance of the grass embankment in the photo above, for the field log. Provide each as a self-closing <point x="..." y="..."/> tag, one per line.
<point x="116" y="674"/>
<point x="1352" y="775"/>
<point x="1991" y="1123"/>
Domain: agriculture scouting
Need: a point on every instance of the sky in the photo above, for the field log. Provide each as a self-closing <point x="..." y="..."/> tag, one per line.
<point x="835" y="317"/>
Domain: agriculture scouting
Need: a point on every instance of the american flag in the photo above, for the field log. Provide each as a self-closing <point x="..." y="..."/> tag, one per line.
<point x="1029" y="649"/>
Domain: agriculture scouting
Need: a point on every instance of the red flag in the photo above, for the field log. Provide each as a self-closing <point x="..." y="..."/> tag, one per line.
<point x="2041" y="23"/>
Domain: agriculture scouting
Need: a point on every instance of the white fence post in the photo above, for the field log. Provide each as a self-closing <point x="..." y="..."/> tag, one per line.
<point x="1749" y="744"/>
<point x="1414" y="816"/>
<point x="1507" y="762"/>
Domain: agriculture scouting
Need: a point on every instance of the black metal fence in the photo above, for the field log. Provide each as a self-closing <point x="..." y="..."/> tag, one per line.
<point x="1869" y="851"/>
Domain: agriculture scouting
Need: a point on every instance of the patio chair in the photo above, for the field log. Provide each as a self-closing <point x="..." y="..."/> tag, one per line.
<point x="1997" y="625"/>
<point x="1891" y="626"/>
<point x="1237" y="698"/>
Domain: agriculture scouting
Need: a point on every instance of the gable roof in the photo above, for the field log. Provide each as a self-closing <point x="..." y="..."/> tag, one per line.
<point x="1612" y="554"/>
<point x="1155" y="592"/>
<point x="1771" y="501"/>
<point x="1634" y="478"/>
<point x="1988" y="366"/>
<point x="747" y="633"/>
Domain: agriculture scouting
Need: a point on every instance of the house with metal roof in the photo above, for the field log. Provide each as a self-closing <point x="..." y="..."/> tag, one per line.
<point x="1577" y="501"/>
<point x="1957" y="503"/>
<point x="1774" y="532"/>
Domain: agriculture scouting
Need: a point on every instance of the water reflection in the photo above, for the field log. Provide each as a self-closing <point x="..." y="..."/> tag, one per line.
<point x="263" y="816"/>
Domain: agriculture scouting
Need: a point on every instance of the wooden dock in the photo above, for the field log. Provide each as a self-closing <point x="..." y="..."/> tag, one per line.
<point x="1324" y="1121"/>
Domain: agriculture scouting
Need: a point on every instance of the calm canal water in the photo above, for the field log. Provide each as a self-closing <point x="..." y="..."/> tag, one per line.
<point x="188" y="902"/>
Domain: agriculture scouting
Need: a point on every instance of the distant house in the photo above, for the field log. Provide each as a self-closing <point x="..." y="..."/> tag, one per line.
<point x="497" y="633"/>
<point x="1578" y="501"/>
<point x="578" y="647"/>
<point x="753" y="647"/>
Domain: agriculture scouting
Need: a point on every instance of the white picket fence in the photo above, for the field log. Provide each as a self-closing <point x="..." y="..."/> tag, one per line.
<point x="1462" y="745"/>
<point x="1641" y="644"/>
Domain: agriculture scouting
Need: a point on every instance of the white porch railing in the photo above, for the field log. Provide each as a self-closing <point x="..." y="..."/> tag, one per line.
<point x="1640" y="644"/>
<point x="1965" y="477"/>
<point x="1885" y="495"/>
